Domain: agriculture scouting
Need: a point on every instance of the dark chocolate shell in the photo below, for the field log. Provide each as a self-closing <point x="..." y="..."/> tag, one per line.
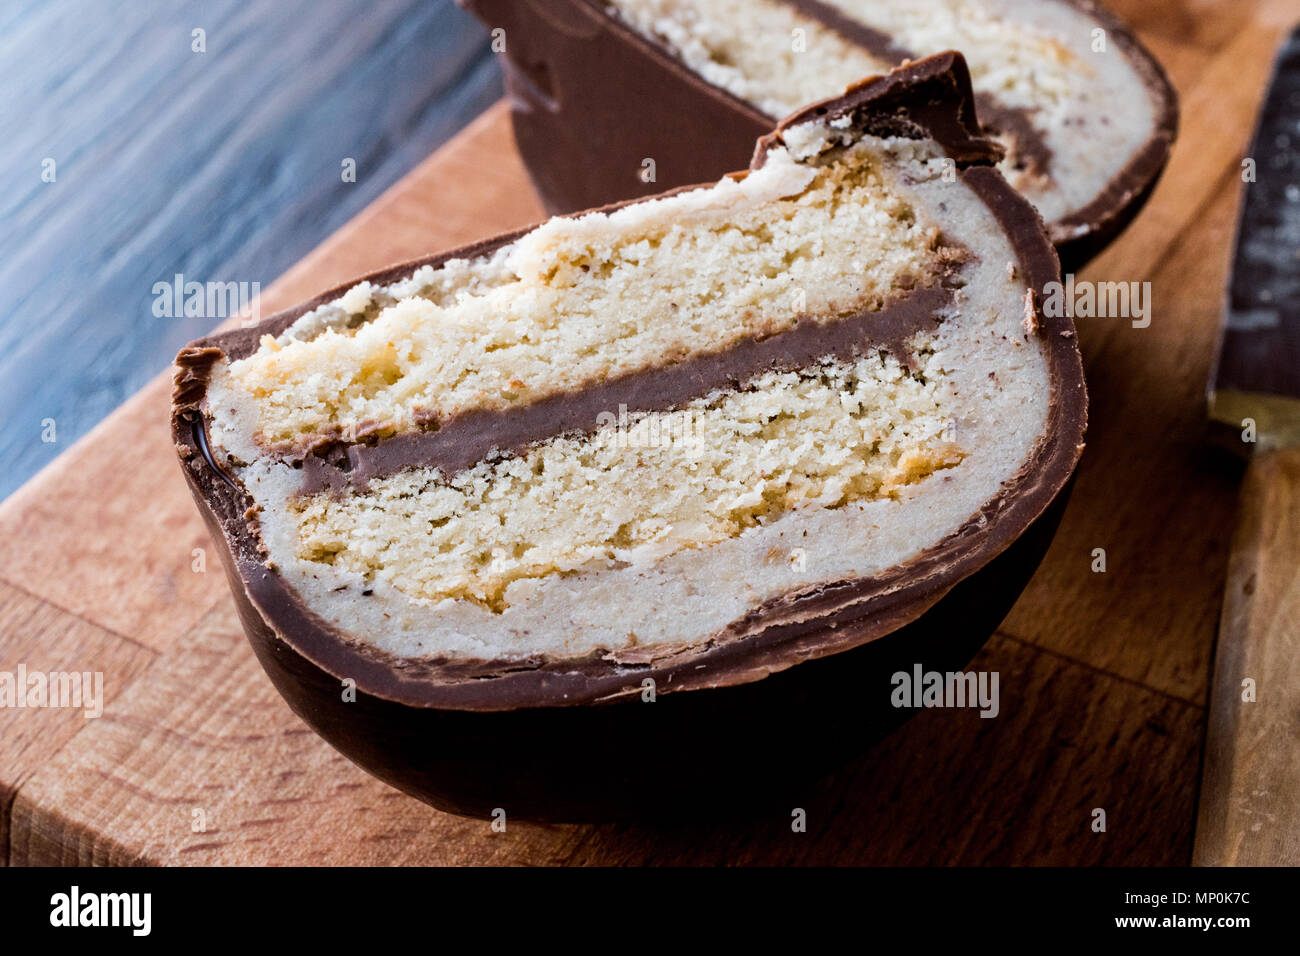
<point x="783" y="693"/>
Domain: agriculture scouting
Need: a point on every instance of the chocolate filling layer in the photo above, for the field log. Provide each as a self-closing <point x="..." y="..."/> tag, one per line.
<point x="1030" y="151"/>
<point x="466" y="439"/>
<point x="869" y="38"/>
<point x="1015" y="123"/>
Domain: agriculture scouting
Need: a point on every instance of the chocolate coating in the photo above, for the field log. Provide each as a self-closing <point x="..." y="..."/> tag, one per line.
<point x="591" y="99"/>
<point x="780" y="694"/>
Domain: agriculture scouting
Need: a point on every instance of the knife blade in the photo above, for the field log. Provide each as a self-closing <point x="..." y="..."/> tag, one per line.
<point x="1257" y="372"/>
<point x="1249" y="809"/>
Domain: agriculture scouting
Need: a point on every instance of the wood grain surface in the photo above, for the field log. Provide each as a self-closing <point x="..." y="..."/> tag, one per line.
<point x="222" y="165"/>
<point x="1249" y="812"/>
<point x="1103" y="675"/>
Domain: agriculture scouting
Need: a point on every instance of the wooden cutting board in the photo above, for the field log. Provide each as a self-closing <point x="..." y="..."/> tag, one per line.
<point x="105" y="566"/>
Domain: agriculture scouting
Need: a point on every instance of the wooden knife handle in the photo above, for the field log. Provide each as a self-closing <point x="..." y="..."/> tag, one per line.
<point x="1250" y="789"/>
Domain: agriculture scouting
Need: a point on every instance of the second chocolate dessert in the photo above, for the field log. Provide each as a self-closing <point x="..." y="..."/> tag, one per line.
<point x="628" y="97"/>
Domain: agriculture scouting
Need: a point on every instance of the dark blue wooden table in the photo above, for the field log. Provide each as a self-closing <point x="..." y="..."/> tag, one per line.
<point x="133" y="149"/>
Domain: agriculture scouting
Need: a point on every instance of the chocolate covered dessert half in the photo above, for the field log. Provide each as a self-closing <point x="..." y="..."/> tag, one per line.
<point x="692" y="438"/>
<point x="1085" y="115"/>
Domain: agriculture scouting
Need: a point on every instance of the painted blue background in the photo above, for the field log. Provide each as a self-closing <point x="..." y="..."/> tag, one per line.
<point x="223" y="166"/>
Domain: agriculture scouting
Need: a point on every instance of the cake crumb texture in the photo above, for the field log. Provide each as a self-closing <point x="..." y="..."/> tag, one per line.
<point x="643" y="486"/>
<point x="580" y="300"/>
